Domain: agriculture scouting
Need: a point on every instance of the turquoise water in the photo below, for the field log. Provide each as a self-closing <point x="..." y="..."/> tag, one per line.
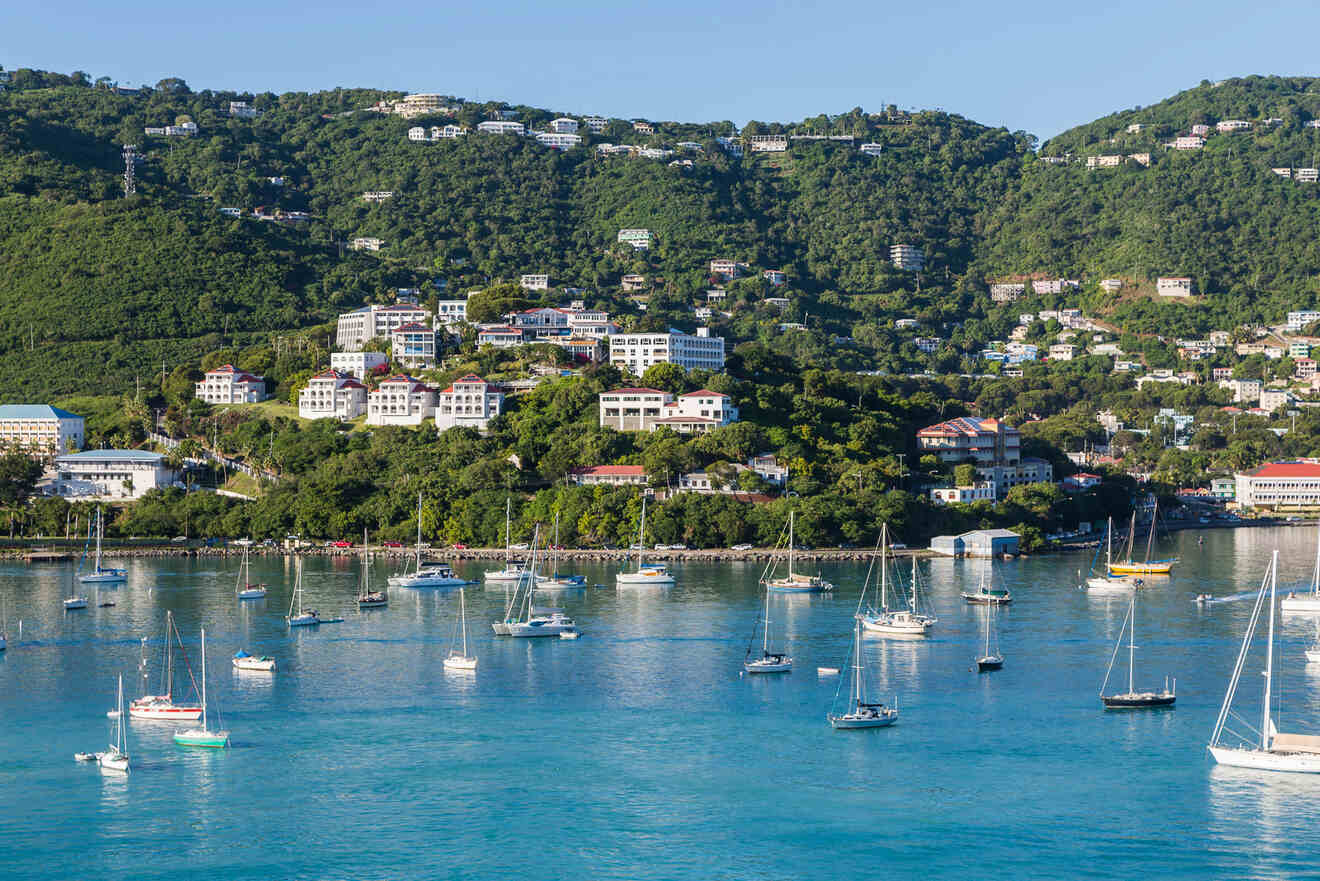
<point x="637" y="750"/>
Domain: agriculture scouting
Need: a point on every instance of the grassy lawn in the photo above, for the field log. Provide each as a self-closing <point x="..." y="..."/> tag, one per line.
<point x="245" y="484"/>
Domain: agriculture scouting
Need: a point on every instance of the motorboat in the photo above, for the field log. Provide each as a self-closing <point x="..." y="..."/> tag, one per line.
<point x="432" y="576"/>
<point x="260" y="663"/>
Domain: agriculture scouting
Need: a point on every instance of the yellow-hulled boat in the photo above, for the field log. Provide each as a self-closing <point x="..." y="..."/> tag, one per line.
<point x="1150" y="567"/>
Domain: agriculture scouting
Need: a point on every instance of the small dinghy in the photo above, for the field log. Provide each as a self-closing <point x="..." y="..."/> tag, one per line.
<point x="85" y="757"/>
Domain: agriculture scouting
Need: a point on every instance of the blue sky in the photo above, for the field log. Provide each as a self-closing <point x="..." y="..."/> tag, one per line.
<point x="1037" y="66"/>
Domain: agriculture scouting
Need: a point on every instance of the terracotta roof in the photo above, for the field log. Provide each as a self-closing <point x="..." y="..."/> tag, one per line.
<point x="635" y="391"/>
<point x="704" y="393"/>
<point x="411" y="327"/>
<point x="963" y="425"/>
<point x="238" y="375"/>
<point x="613" y="470"/>
<point x="1287" y="469"/>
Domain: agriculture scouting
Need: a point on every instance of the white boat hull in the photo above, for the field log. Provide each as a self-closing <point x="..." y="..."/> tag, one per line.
<point x="148" y="710"/>
<point x="1301" y="604"/>
<point x="804" y="585"/>
<point x="536" y="628"/>
<point x="116" y="576"/>
<point x="501" y="628"/>
<point x="1109" y="585"/>
<point x="458" y="662"/>
<point x="754" y="667"/>
<point x="882" y="719"/>
<point x="429" y="583"/>
<point x="639" y="579"/>
<point x="253" y="593"/>
<point x="263" y="665"/>
<point x="1312" y="656"/>
<point x="897" y="625"/>
<point x="75" y="603"/>
<point x="1298" y="763"/>
<point x="506" y="576"/>
<point x="303" y="620"/>
<point x="112" y="762"/>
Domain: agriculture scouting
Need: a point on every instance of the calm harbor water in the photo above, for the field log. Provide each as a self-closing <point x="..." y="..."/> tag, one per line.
<point x="638" y="750"/>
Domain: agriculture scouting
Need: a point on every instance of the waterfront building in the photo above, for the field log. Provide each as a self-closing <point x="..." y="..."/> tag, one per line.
<point x="1276" y="485"/>
<point x="109" y="474"/>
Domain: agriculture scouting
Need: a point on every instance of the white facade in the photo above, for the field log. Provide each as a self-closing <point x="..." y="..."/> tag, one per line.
<point x="1245" y="391"/>
<point x="564" y="125"/>
<point x="774" y="276"/>
<point x="356" y="327"/>
<point x="1280" y="484"/>
<point x="357" y="364"/>
<point x="557" y="141"/>
<point x="640" y="239"/>
<point x="908" y="258"/>
<point x="1273" y="399"/>
<point x="242" y="110"/>
<point x="1188" y="142"/>
<point x="1299" y="319"/>
<point x="377" y="195"/>
<point x="501" y="127"/>
<point x="727" y="268"/>
<point x="332" y="395"/>
<point x="963" y="495"/>
<point x="871" y="149"/>
<point x="1173" y="287"/>
<point x="110" y="474"/>
<point x="400" y="400"/>
<point x="635" y="352"/>
<point x="646" y="409"/>
<point x="1007" y="292"/>
<point x="767" y="143"/>
<point x="470" y="402"/>
<point x="413" y="345"/>
<point x="229" y="385"/>
<point x="595" y="124"/>
<point x="535" y="282"/>
<point x="1232" y="125"/>
<point x="451" y="311"/>
<point x="40" y="429"/>
<point x="366" y="243"/>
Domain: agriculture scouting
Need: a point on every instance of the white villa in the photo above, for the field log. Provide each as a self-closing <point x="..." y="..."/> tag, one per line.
<point x="413" y="345"/>
<point x="470" y="402"/>
<point x="229" y="385"/>
<point x="40" y="429"/>
<point x="359" y="364"/>
<point x="400" y="400"/>
<point x="332" y="395"/>
<point x="646" y="409"/>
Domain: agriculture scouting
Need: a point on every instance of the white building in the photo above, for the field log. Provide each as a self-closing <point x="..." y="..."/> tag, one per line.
<point x="1302" y="317"/>
<point x="535" y="282"/>
<point x="557" y="141"/>
<point x="413" y="345"/>
<point x="595" y="124"/>
<point x="1245" y="391"/>
<point x="646" y="409"/>
<point x="727" y="268"/>
<point x="400" y="400"/>
<point x="1111" y="285"/>
<point x="1188" y="142"/>
<point x="110" y="474"/>
<point x="635" y="352"/>
<point x="1112" y="161"/>
<point x="1054" y="286"/>
<point x="643" y="128"/>
<point x="775" y="277"/>
<point x="242" y="110"/>
<point x="1179" y="286"/>
<point x="470" y="402"/>
<point x="871" y="149"/>
<point x="1007" y="292"/>
<point x="40" y="429"/>
<point x="366" y="243"/>
<point x="1273" y="399"/>
<point x="377" y="195"/>
<point x="767" y="143"/>
<point x="609" y="475"/>
<point x="640" y="239"/>
<point x="1232" y="125"/>
<point x="451" y="311"/>
<point x="1062" y="352"/>
<point x="356" y="327"/>
<point x="928" y="344"/>
<point x="963" y="495"/>
<point x="501" y="127"/>
<point x="229" y="385"/>
<point x="564" y="125"/>
<point x="332" y="395"/>
<point x="358" y="364"/>
<point x="909" y="258"/>
<point x="1280" y="485"/>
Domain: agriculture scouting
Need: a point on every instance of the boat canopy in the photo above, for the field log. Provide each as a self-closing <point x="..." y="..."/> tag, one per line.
<point x="1295" y="743"/>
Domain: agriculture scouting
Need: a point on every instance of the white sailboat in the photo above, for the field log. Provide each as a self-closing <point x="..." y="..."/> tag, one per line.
<point x="861" y="713"/>
<point x="1105" y="583"/>
<point x="115" y="758"/>
<point x="1133" y="699"/>
<point x="397" y="579"/>
<point x="653" y="574"/>
<point x="986" y="594"/>
<point x="903" y="621"/>
<point x="102" y="574"/>
<point x="768" y="662"/>
<point x="302" y="617"/>
<point x="1307" y="603"/>
<point x="1266" y="749"/>
<point x="257" y="663"/>
<point x="559" y="580"/>
<point x="244" y="588"/>
<point x="461" y="660"/>
<point x="795" y="582"/>
<point x="533" y="622"/>
<point x="511" y="573"/>
<point x="368" y="598"/>
<point x="989" y="660"/>
<point x="74" y="600"/>
<point x="4" y="626"/>
<point x="161" y="707"/>
<point x="203" y="736"/>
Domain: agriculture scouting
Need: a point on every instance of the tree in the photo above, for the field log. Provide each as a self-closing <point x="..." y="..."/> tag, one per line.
<point x="964" y="475"/>
<point x="666" y="377"/>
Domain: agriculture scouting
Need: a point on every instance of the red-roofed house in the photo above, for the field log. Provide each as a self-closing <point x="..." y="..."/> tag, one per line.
<point x="1080" y="481"/>
<point x="501" y="336"/>
<point x="994" y="447"/>
<point x="332" y="395"/>
<point x="400" y="400"/>
<point x="1280" y="485"/>
<point x="646" y="409"/>
<point x="229" y="385"/>
<point x="609" y="475"/>
<point x="470" y="402"/>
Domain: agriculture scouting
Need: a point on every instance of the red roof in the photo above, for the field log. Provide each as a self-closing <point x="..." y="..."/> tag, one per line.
<point x="411" y="327"/>
<point x="239" y="375"/>
<point x="636" y="391"/>
<point x="704" y="393"/>
<point x="1287" y="469"/>
<point x="1082" y="475"/>
<point x="472" y="378"/>
<point x="613" y="470"/>
<point x="967" y="426"/>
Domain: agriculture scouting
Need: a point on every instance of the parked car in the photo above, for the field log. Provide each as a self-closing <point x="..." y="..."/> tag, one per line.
<point x="518" y="547"/>
<point x="897" y="546"/>
<point x="392" y="544"/>
<point x="458" y="546"/>
<point x="244" y="542"/>
<point x="741" y="547"/>
<point x="342" y="543"/>
<point x="179" y="539"/>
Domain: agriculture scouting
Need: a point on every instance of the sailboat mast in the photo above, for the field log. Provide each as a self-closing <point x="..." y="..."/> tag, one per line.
<point x="765" y="639"/>
<point x="790" y="543"/>
<point x="205" y="727"/>
<point x="1315" y="574"/>
<point x="884" y="601"/>
<point x="1150" y="535"/>
<point x="641" y="534"/>
<point x="419" y="533"/>
<point x="169" y="654"/>
<point x="1132" y="641"/>
<point x="1269" y="658"/>
<point x="462" y="614"/>
<point x="857" y="664"/>
<point x="1109" y="544"/>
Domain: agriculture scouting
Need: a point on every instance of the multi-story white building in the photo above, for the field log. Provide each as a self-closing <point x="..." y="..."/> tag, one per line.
<point x="366" y="243"/>
<point x="332" y="395"/>
<point x="470" y="402"/>
<point x="992" y="446"/>
<point x="640" y="239"/>
<point x="633" y="283"/>
<point x="643" y="128"/>
<point x="229" y="385"/>
<point x="1112" y="161"/>
<point x="609" y="475"/>
<point x="419" y="104"/>
<point x="635" y="352"/>
<point x="1232" y="125"/>
<point x="963" y="495"/>
<point x="356" y="327"/>
<point x="40" y="429"/>
<point x="400" y="400"/>
<point x="1245" y="391"/>
<point x="1054" y="286"/>
<point x="1306" y="175"/>
<point x="727" y="268"/>
<point x="928" y="344"/>
<point x="908" y="258"/>
<point x="358" y="364"/>
<point x="595" y="124"/>
<point x="377" y="195"/>
<point x="501" y="336"/>
<point x="535" y="282"/>
<point x="1188" y="142"/>
<point x="501" y="127"/>
<point x="242" y="110"/>
<point x="1062" y="352"/>
<point x="775" y="277"/>
<point x="1299" y="350"/>
<point x="767" y="143"/>
<point x="646" y="409"/>
<point x="871" y="149"/>
<point x="557" y="141"/>
<point x="110" y="474"/>
<point x="564" y="125"/>
<point x="1007" y="292"/>
<point x="451" y="311"/>
<point x="1302" y="317"/>
<point x="1280" y="485"/>
<point x="412" y="345"/>
<point x="1173" y="286"/>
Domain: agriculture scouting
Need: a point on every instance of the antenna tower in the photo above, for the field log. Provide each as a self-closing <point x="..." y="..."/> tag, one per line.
<point x="130" y="159"/>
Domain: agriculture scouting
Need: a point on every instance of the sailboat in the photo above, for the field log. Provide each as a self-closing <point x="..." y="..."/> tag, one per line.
<point x="1105" y="582"/>
<point x="1305" y="603"/>
<point x="115" y="758"/>
<point x="986" y="594"/>
<point x="794" y="582"/>
<point x="1267" y="749"/>
<point x="4" y="626"/>
<point x="768" y="662"/>
<point x="530" y="621"/>
<point x="399" y="578"/>
<point x="161" y="707"/>
<point x="203" y="736"/>
<point x="511" y="573"/>
<point x="74" y="600"/>
<point x="258" y="663"/>
<point x="1133" y="699"/>
<point x="101" y="574"/>
<point x="303" y="617"/>
<point x="368" y="598"/>
<point x="461" y="660"/>
<point x="1147" y="566"/>
<point x="903" y="621"/>
<point x="861" y="713"/>
<point x="244" y="588"/>
<point x="990" y="660"/>
<point x="559" y="580"/>
<point x="656" y="574"/>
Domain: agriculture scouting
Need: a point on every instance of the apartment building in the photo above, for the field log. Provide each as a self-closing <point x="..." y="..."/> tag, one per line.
<point x="1279" y="485"/>
<point x="358" y="364"/>
<point x="635" y="352"/>
<point x="413" y="345"/>
<point x="41" y="430"/>
<point x="1245" y="391"/>
<point x="535" y="282"/>
<point x="908" y="258"/>
<point x="377" y="195"/>
<point x="558" y="141"/>
<point x="110" y="474"/>
<point x="1055" y="286"/>
<point x="501" y="127"/>
<point x="400" y="400"/>
<point x="355" y="328"/>
<point x="564" y="125"/>
<point x="640" y="239"/>
<point x="1301" y="318"/>
<point x="1232" y="125"/>
<point x="241" y="110"/>
<point x="991" y="445"/>
<point x="229" y="385"/>
<point x="470" y="402"/>
<point x="1173" y="286"/>
<point x="332" y="395"/>
<point x="767" y="143"/>
<point x="1007" y="292"/>
<point x="646" y="409"/>
<point x="1188" y="142"/>
<point x="727" y="269"/>
<point x="595" y="124"/>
